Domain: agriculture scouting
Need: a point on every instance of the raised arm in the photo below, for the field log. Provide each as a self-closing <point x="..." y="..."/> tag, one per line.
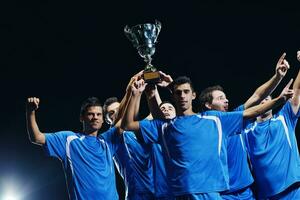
<point x="126" y="99"/>
<point x="255" y="111"/>
<point x="153" y="100"/>
<point x="34" y="133"/>
<point x="128" y="121"/>
<point x="267" y="88"/>
<point x="153" y="97"/>
<point x="296" y="87"/>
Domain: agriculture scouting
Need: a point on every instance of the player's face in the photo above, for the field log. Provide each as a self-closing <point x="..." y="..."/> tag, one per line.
<point x="219" y="102"/>
<point x="112" y="111"/>
<point x="266" y="100"/>
<point x="92" y="119"/>
<point x="168" y="110"/>
<point x="269" y="112"/>
<point x="183" y="96"/>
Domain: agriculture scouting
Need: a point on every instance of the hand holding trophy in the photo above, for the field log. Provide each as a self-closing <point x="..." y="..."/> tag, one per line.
<point x="143" y="38"/>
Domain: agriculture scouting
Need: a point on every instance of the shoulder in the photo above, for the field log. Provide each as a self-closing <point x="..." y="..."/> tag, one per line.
<point x="240" y="108"/>
<point x="156" y="122"/>
<point x="61" y="134"/>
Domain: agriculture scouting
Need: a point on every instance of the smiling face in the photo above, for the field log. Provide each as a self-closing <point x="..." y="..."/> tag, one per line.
<point x="92" y="120"/>
<point x="219" y="101"/>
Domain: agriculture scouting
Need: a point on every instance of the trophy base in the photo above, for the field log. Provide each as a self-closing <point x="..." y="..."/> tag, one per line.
<point x="151" y="77"/>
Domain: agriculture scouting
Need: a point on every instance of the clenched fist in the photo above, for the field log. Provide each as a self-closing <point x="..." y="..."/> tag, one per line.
<point x="32" y="104"/>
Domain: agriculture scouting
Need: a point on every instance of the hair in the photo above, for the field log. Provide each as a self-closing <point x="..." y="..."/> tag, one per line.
<point x="206" y="96"/>
<point x="108" y="102"/>
<point x="89" y="102"/>
<point x="179" y="81"/>
<point x="164" y="102"/>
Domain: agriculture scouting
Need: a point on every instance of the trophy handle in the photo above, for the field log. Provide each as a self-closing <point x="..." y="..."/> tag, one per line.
<point x="130" y="36"/>
<point x="158" y="28"/>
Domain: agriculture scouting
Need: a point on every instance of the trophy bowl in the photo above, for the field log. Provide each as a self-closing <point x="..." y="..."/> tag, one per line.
<point x="143" y="38"/>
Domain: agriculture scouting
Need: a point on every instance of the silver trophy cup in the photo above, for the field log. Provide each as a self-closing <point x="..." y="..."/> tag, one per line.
<point x="143" y="38"/>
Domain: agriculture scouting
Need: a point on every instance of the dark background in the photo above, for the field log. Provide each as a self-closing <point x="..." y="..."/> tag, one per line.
<point x="66" y="51"/>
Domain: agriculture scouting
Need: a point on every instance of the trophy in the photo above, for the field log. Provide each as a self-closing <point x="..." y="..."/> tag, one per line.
<point x="143" y="38"/>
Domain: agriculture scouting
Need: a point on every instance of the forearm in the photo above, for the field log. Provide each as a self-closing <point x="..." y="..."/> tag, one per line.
<point x="123" y="105"/>
<point x="137" y="107"/>
<point x="296" y="85"/>
<point x="34" y="133"/>
<point x="153" y="103"/>
<point x="128" y="120"/>
<point x="296" y="98"/>
<point x="263" y="91"/>
<point x="255" y="111"/>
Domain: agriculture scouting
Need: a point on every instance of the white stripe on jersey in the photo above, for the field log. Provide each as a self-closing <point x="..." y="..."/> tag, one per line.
<point x="286" y="131"/>
<point x="69" y="140"/>
<point x="219" y="126"/>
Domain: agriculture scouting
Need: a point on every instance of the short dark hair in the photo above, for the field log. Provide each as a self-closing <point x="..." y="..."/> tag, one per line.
<point x="164" y="102"/>
<point x="107" y="102"/>
<point x="206" y="96"/>
<point x="179" y="81"/>
<point x="89" y="102"/>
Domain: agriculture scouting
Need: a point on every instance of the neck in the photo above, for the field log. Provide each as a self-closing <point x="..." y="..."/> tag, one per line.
<point x="263" y="118"/>
<point x="90" y="133"/>
<point x="185" y="112"/>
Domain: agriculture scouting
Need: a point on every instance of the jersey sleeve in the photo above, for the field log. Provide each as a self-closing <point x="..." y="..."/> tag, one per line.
<point x="150" y="130"/>
<point x="246" y="122"/>
<point x="289" y="115"/>
<point x="112" y="137"/>
<point x="55" y="145"/>
<point x="232" y="122"/>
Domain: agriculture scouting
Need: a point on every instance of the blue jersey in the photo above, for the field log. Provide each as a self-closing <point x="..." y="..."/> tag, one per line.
<point x="194" y="149"/>
<point x="87" y="162"/>
<point x="133" y="161"/>
<point x="273" y="152"/>
<point x="161" y="185"/>
<point x="239" y="172"/>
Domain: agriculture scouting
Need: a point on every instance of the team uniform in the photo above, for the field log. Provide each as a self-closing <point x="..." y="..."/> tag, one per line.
<point x="274" y="155"/>
<point x="133" y="161"/>
<point x="87" y="162"/>
<point x="240" y="177"/>
<point x="161" y="186"/>
<point x="195" y="152"/>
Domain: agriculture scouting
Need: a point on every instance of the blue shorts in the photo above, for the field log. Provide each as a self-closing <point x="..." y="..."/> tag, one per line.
<point x="141" y="196"/>
<point x="200" y="196"/>
<point x="243" y="194"/>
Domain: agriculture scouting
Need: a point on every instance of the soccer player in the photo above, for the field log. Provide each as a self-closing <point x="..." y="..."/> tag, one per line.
<point x="85" y="155"/>
<point x="272" y="146"/>
<point x="214" y="98"/>
<point x="193" y="144"/>
<point x="140" y="165"/>
<point x="133" y="158"/>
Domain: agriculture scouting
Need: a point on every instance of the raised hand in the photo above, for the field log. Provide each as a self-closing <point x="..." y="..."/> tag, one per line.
<point x="165" y="79"/>
<point x="282" y="66"/>
<point x="150" y="90"/>
<point x="138" y="86"/>
<point x="134" y="78"/>
<point x="32" y="104"/>
<point x="287" y="93"/>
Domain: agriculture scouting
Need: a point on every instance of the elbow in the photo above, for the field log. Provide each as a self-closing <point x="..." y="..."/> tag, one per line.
<point x="124" y="125"/>
<point x="39" y="140"/>
<point x="128" y="126"/>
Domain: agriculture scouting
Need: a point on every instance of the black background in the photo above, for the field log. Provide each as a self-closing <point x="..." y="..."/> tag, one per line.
<point x="66" y="51"/>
